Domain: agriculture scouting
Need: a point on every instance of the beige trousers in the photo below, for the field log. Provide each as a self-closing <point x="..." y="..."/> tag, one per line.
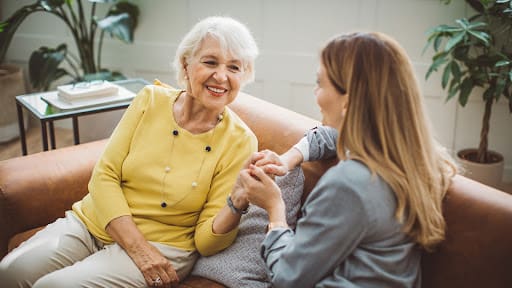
<point x="65" y="254"/>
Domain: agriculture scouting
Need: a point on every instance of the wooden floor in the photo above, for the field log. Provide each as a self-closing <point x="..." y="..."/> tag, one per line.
<point x="11" y="149"/>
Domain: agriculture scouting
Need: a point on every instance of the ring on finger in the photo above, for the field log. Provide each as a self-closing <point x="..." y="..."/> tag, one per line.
<point x="157" y="281"/>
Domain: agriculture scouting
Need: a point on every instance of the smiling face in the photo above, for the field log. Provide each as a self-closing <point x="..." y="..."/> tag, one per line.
<point x="332" y="103"/>
<point x="214" y="76"/>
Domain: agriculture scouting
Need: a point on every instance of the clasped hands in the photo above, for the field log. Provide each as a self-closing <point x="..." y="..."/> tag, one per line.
<point x="255" y="183"/>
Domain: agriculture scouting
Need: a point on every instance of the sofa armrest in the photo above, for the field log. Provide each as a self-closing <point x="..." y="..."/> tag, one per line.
<point x="37" y="189"/>
<point x="477" y="251"/>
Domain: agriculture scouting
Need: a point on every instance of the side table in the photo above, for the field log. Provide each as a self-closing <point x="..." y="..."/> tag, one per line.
<point x="46" y="113"/>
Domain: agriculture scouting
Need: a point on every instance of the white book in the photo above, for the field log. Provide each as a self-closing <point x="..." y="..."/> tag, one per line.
<point x="56" y="100"/>
<point x="85" y="90"/>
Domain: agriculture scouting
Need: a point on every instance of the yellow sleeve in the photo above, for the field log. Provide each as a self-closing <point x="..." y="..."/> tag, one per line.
<point x="207" y="242"/>
<point x="105" y="184"/>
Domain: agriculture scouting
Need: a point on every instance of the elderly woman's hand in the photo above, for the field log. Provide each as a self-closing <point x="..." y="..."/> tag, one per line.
<point x="261" y="190"/>
<point x="157" y="270"/>
<point x="271" y="163"/>
<point x="238" y="195"/>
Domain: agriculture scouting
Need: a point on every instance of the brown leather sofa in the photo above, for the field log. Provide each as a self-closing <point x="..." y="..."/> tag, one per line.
<point x="37" y="189"/>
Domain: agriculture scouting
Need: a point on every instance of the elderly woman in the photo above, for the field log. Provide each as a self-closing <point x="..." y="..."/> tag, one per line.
<point x="157" y="196"/>
<point x="367" y="219"/>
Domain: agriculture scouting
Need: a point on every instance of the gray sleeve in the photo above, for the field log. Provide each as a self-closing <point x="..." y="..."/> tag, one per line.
<point x="333" y="224"/>
<point x="322" y="143"/>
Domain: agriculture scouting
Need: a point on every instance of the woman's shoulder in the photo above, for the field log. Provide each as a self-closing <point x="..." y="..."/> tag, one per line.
<point x="159" y="90"/>
<point x="350" y="172"/>
<point x="236" y="125"/>
<point x="353" y="181"/>
<point x="355" y="177"/>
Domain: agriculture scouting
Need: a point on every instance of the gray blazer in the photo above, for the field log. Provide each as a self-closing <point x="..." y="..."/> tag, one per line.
<point x="347" y="237"/>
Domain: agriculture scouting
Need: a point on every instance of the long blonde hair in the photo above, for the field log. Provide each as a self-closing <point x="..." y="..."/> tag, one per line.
<point x="386" y="128"/>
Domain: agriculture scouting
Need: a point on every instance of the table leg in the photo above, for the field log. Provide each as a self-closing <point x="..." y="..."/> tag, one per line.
<point x="44" y="136"/>
<point x="76" y="132"/>
<point x="21" y="125"/>
<point x="52" y="135"/>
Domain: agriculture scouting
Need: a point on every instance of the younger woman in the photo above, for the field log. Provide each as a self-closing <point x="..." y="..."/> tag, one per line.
<point x="367" y="217"/>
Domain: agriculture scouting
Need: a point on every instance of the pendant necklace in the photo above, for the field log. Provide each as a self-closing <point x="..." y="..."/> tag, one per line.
<point x="207" y="149"/>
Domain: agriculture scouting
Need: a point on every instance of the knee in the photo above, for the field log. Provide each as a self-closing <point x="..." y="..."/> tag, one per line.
<point x="13" y="274"/>
<point x="49" y="281"/>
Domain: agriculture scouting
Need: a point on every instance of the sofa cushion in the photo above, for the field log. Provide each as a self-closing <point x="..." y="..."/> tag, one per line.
<point x="241" y="265"/>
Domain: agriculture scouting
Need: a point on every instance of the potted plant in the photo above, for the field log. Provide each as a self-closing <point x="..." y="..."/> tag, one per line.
<point x="44" y="65"/>
<point x="477" y="52"/>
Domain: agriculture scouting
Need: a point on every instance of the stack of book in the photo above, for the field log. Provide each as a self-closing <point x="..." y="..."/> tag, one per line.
<point x="86" y="94"/>
<point x="86" y="91"/>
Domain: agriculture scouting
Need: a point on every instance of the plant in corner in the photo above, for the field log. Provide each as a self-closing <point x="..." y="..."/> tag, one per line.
<point x="476" y="52"/>
<point x="120" y="22"/>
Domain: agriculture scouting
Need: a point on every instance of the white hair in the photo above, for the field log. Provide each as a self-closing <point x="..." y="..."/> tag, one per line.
<point x="233" y="36"/>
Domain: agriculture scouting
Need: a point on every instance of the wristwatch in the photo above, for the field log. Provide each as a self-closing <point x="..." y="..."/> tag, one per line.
<point x="234" y="209"/>
<point x="273" y="225"/>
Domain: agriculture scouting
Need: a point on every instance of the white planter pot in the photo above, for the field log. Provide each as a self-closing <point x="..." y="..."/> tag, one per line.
<point x="488" y="173"/>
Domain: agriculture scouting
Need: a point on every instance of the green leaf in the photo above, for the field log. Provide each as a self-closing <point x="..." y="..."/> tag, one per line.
<point x="456" y="70"/>
<point x="439" y="59"/>
<point x="464" y="23"/>
<point x="500" y="87"/>
<point x="465" y="90"/>
<point x="118" y="26"/>
<point x="461" y="53"/>
<point x="437" y="43"/>
<point x="43" y="65"/>
<point x="474" y="25"/>
<point x="454" y="87"/>
<point x="482" y="36"/>
<point x="502" y="63"/>
<point x="116" y="75"/>
<point x="10" y="26"/>
<point x="121" y="21"/>
<point x="446" y="29"/>
<point x="488" y="93"/>
<point x="510" y="75"/>
<point x="446" y="75"/>
<point x="454" y="41"/>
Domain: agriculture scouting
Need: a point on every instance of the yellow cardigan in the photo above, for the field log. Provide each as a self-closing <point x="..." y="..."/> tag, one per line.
<point x="144" y="164"/>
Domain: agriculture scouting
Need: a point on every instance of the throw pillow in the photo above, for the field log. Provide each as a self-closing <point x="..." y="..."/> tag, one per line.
<point x="240" y="265"/>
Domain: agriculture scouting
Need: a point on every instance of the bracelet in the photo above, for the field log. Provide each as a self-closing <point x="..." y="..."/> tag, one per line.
<point x="234" y="209"/>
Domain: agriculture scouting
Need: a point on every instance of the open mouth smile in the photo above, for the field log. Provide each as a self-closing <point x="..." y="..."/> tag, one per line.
<point x="217" y="91"/>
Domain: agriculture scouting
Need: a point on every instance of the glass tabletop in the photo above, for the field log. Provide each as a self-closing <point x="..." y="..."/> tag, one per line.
<point x="44" y="111"/>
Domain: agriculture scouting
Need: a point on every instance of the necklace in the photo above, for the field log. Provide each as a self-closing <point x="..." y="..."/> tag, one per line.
<point x="208" y="148"/>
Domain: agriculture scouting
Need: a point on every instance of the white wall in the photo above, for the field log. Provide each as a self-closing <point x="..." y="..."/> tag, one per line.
<point x="290" y="34"/>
